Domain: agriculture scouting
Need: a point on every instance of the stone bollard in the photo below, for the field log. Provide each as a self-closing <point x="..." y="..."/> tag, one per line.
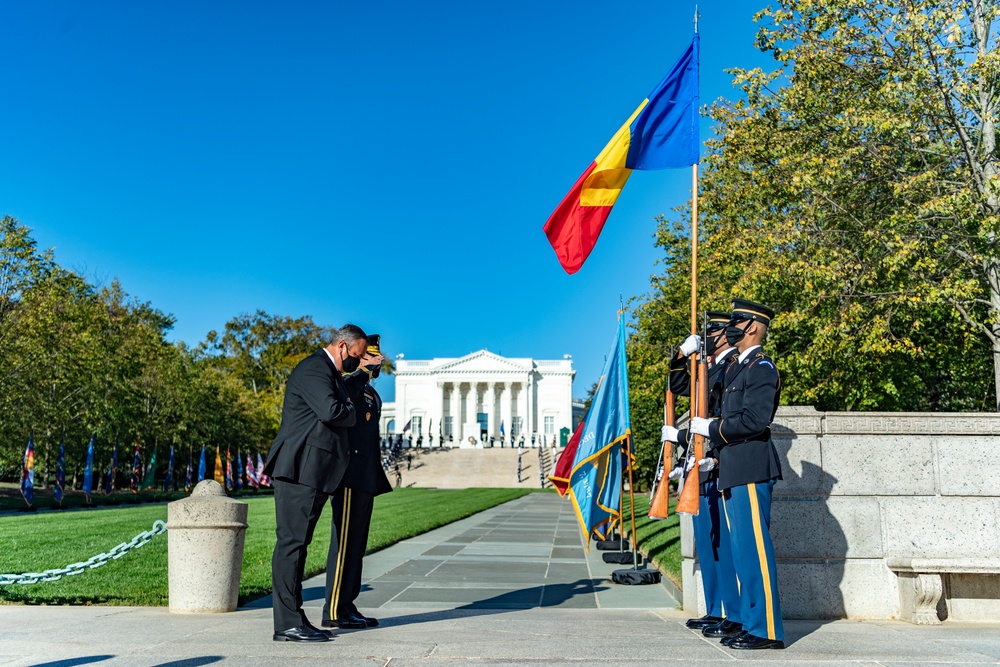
<point x="205" y="535"/>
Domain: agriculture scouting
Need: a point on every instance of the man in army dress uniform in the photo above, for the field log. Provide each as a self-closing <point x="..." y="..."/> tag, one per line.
<point x="353" y="501"/>
<point x="748" y="470"/>
<point x="711" y="534"/>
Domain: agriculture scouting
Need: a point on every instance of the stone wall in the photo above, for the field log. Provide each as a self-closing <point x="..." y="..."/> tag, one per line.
<point x="863" y="490"/>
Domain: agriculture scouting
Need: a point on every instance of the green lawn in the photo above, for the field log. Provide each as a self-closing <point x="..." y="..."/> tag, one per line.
<point x="659" y="540"/>
<point x="36" y="542"/>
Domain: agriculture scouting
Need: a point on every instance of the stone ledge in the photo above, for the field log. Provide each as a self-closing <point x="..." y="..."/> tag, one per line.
<point x="921" y="584"/>
<point x="949" y="565"/>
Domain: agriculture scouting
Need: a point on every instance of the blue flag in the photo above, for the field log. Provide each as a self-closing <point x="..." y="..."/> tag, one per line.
<point x="28" y="471"/>
<point x="238" y="480"/>
<point x="88" y="470"/>
<point x="168" y="482"/>
<point x="594" y="485"/>
<point x="190" y="470"/>
<point x="57" y="491"/>
<point x="201" y="465"/>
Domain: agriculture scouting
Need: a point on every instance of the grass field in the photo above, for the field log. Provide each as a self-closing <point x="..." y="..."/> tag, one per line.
<point x="36" y="542"/>
<point x="659" y="540"/>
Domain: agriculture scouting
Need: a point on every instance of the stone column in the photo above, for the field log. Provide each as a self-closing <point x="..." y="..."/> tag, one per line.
<point x="438" y="411"/>
<point x="529" y="413"/>
<point x="505" y="410"/>
<point x="456" y="412"/>
<point x="490" y="407"/>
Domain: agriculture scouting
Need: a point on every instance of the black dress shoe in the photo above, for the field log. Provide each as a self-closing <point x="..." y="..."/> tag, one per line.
<point x="345" y="623"/>
<point x="328" y="633"/>
<point x="726" y="641"/>
<point x="723" y="628"/>
<point x="699" y="623"/>
<point x="302" y="633"/>
<point x="369" y="621"/>
<point x="749" y="641"/>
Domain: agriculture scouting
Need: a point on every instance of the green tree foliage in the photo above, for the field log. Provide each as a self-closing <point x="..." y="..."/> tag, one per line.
<point x="855" y="190"/>
<point x="80" y="359"/>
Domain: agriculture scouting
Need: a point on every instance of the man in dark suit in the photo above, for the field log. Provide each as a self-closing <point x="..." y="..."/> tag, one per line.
<point x="307" y="460"/>
<point x="353" y="502"/>
<point x="748" y="470"/>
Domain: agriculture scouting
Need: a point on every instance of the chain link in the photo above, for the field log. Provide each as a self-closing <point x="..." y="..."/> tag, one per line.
<point x="159" y="527"/>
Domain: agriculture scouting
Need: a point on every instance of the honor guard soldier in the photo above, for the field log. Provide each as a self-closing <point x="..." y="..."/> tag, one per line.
<point x="711" y="534"/>
<point x="748" y="469"/>
<point x="352" y="503"/>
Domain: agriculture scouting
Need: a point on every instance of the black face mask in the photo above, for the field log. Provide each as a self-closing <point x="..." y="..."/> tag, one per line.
<point x="734" y="335"/>
<point x="711" y="344"/>
<point x="350" y="364"/>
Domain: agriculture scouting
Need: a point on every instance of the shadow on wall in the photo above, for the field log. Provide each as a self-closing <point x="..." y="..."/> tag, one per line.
<point x="810" y="545"/>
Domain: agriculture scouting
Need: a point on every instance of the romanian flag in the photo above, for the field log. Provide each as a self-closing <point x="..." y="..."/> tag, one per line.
<point x="595" y="479"/>
<point x="661" y="134"/>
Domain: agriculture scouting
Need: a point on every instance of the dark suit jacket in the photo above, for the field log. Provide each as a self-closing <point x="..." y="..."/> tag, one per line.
<point x="742" y="437"/>
<point x="364" y="471"/>
<point x="311" y="447"/>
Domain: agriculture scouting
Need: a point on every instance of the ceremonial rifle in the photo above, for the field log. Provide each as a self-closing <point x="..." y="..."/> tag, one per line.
<point x="658" y="506"/>
<point x="688" y="501"/>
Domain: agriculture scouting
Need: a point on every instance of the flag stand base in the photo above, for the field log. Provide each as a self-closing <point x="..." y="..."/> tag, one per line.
<point x="613" y="545"/>
<point x="621" y="557"/>
<point x="631" y="577"/>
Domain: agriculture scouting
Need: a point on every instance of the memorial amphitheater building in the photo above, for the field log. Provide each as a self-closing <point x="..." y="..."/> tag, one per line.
<point x="466" y="401"/>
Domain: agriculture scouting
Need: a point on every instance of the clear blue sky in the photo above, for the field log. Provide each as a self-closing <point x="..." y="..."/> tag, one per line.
<point x="384" y="163"/>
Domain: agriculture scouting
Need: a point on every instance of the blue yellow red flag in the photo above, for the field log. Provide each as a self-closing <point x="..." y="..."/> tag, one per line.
<point x="595" y="479"/>
<point x="662" y="133"/>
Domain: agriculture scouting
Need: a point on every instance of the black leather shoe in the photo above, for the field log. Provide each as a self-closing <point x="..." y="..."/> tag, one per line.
<point x="699" y="623"/>
<point x="302" y="633"/>
<point x="345" y="623"/>
<point x="369" y="621"/>
<point x="723" y="628"/>
<point x="726" y="641"/>
<point x="328" y="633"/>
<point x="749" y="641"/>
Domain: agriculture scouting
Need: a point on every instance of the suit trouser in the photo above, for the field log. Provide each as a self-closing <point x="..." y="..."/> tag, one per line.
<point x="352" y="517"/>
<point x="715" y="557"/>
<point x="296" y="510"/>
<point x="748" y="509"/>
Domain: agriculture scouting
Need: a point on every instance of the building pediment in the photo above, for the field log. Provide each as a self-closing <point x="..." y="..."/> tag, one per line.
<point x="484" y="361"/>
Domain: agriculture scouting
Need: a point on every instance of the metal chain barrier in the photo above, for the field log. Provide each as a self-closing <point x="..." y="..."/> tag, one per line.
<point x="73" y="569"/>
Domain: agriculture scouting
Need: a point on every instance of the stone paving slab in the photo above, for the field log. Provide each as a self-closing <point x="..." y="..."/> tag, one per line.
<point x="454" y="608"/>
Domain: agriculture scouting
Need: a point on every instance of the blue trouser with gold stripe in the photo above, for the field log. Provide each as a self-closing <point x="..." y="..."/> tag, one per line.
<point x="748" y="509"/>
<point x="711" y="541"/>
<point x="352" y="516"/>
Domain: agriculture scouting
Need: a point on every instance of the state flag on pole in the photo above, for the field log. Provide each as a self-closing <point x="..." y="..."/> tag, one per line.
<point x="190" y="469"/>
<point x="564" y="466"/>
<point x="594" y="481"/>
<point x="149" y="477"/>
<point x="201" y="465"/>
<point x="262" y="479"/>
<point x="220" y="476"/>
<point x="251" y="473"/>
<point x="57" y="490"/>
<point x="168" y="481"/>
<point x="136" y="470"/>
<point x="661" y="134"/>
<point x="229" y="470"/>
<point x="28" y="470"/>
<point x="238" y="471"/>
<point x="88" y="470"/>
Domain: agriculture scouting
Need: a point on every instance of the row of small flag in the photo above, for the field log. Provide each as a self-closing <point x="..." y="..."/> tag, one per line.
<point x="143" y="478"/>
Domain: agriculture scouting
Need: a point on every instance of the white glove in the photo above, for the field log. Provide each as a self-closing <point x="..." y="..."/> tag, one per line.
<point x="699" y="425"/>
<point x="676" y="473"/>
<point x="690" y="345"/>
<point x="705" y="465"/>
<point x="689" y="464"/>
<point x="668" y="433"/>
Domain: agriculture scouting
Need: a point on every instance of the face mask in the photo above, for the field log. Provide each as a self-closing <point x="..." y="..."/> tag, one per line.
<point x="350" y="364"/>
<point x="734" y="335"/>
<point x="711" y="344"/>
<point x="373" y="370"/>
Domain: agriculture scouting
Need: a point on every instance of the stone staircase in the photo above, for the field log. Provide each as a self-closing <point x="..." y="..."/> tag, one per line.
<point x="464" y="468"/>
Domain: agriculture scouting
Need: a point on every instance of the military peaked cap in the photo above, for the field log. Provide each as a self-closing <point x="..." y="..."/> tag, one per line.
<point x="748" y="310"/>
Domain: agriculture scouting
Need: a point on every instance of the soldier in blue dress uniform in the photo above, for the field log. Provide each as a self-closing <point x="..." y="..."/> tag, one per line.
<point x="711" y="534"/>
<point x="748" y="470"/>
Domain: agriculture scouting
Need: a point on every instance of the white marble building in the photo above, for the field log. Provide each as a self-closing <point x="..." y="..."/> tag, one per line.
<point x="472" y="396"/>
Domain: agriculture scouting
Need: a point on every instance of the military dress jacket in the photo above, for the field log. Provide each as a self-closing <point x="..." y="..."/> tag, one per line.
<point x="364" y="470"/>
<point x="311" y="446"/>
<point x="680" y="385"/>
<point x="741" y="437"/>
